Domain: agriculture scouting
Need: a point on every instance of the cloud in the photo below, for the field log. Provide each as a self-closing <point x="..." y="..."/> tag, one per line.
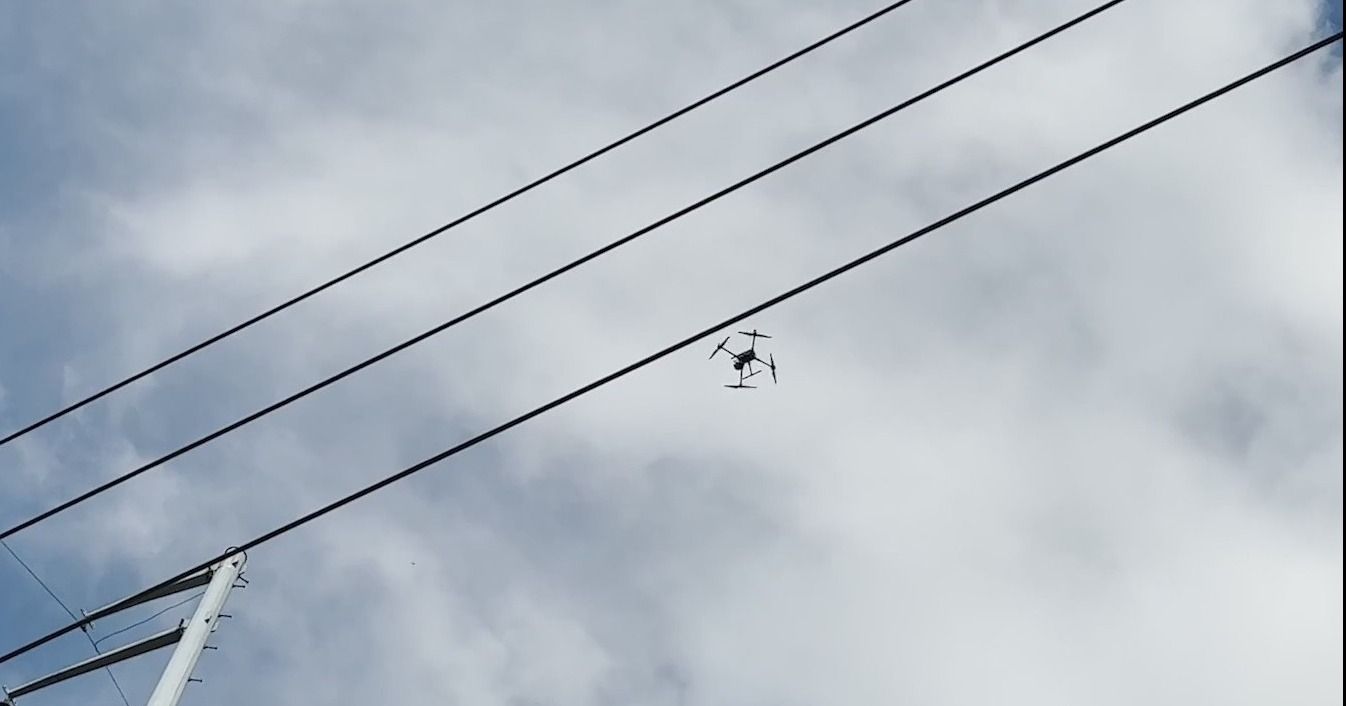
<point x="1082" y="447"/>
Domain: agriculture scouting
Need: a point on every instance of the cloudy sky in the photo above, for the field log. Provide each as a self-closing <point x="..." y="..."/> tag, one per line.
<point x="1083" y="447"/>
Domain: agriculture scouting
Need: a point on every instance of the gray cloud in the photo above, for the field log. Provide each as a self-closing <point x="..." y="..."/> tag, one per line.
<point x="1084" y="447"/>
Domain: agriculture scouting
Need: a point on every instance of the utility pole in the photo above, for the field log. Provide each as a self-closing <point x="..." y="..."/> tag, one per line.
<point x="204" y="621"/>
<point x="190" y="637"/>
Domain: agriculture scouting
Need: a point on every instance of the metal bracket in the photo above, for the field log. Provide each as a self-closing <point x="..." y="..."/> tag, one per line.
<point x="107" y="659"/>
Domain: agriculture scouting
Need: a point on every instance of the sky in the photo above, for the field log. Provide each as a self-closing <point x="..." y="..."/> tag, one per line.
<point x="1084" y="446"/>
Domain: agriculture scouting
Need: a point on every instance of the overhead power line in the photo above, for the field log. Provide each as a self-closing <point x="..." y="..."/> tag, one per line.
<point x="500" y="201"/>
<point x="704" y="333"/>
<point x="127" y="476"/>
<point x="92" y="642"/>
<point x="38" y="579"/>
<point x="148" y="618"/>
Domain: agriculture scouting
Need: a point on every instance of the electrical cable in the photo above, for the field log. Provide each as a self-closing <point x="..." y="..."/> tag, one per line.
<point x="118" y="480"/>
<point x="965" y="211"/>
<point x="138" y="623"/>
<point x="33" y="426"/>
<point x="92" y="642"/>
<point x="38" y="579"/>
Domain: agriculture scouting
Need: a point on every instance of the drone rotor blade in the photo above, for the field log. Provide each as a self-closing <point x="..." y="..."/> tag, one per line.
<point x="720" y="347"/>
<point x="772" y="358"/>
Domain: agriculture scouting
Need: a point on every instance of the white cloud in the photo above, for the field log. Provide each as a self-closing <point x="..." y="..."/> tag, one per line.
<point x="1083" y="447"/>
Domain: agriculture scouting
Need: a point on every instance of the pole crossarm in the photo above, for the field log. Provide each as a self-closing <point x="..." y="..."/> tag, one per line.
<point x="115" y="607"/>
<point x="107" y="659"/>
<point x="220" y="578"/>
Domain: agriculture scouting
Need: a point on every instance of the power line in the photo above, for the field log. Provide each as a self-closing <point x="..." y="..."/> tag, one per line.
<point x="965" y="211"/>
<point x="38" y="579"/>
<point x="454" y="223"/>
<point x="92" y="642"/>
<point x="118" y="480"/>
<point x="138" y="623"/>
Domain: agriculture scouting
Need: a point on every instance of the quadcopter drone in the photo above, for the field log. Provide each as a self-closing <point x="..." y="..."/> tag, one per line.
<point x="744" y="361"/>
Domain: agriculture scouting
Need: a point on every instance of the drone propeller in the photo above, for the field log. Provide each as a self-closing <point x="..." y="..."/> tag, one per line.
<point x="720" y="347"/>
<point x="772" y="365"/>
<point x="754" y="334"/>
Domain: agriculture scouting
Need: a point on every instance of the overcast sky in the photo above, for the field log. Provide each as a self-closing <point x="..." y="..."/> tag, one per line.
<point x="1083" y="447"/>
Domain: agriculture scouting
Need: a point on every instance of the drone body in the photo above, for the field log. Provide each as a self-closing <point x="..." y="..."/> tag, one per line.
<point x="744" y="361"/>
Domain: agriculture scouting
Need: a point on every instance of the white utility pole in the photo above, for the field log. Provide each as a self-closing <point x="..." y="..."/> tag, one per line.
<point x="203" y="623"/>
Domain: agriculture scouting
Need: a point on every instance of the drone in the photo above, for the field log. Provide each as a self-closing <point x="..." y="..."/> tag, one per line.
<point x="744" y="361"/>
